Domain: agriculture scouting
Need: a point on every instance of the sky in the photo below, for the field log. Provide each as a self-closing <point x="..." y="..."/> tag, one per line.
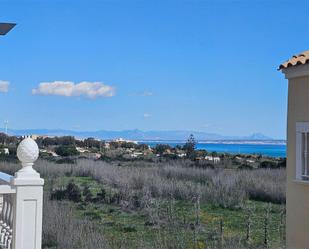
<point x="152" y="65"/>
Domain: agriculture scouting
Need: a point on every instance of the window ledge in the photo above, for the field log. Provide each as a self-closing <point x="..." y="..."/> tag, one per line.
<point x="305" y="182"/>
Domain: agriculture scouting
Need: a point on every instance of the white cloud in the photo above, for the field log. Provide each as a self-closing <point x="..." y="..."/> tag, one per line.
<point x="147" y="115"/>
<point x="4" y="86"/>
<point x="70" y="89"/>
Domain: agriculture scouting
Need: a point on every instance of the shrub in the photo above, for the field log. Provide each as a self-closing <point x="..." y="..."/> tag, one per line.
<point x="88" y="197"/>
<point x="245" y="166"/>
<point x="170" y="156"/>
<point x="66" y="150"/>
<point x="268" y="165"/>
<point x="73" y="192"/>
<point x="161" y="148"/>
<point x="58" y="194"/>
<point x="101" y="195"/>
<point x="282" y="163"/>
<point x="93" y="215"/>
<point x="128" y="229"/>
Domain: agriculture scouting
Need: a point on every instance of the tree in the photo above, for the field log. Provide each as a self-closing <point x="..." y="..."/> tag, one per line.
<point x="66" y="140"/>
<point x="142" y="147"/>
<point x="214" y="153"/>
<point x="201" y="153"/>
<point x="161" y="148"/>
<point x="189" y="147"/>
<point x="92" y="143"/>
<point x="128" y="145"/>
<point x="66" y="150"/>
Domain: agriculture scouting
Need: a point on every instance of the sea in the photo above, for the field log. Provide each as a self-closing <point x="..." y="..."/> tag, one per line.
<point x="273" y="148"/>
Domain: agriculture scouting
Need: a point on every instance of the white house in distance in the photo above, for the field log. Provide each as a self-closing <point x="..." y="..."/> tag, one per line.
<point x="215" y="159"/>
<point x="296" y="70"/>
<point x="5" y="151"/>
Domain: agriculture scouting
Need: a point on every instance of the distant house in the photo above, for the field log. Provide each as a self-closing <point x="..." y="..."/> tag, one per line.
<point x="106" y="145"/>
<point x="214" y="159"/>
<point x="181" y="155"/>
<point x="5" y="151"/>
<point x="35" y="137"/>
<point x="250" y="161"/>
<point x="296" y="70"/>
<point x="121" y="140"/>
<point x="50" y="152"/>
<point x="137" y="154"/>
<point x="91" y="155"/>
<point x="81" y="150"/>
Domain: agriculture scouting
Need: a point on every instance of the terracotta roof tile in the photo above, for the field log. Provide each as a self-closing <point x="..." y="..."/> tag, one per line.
<point x="300" y="59"/>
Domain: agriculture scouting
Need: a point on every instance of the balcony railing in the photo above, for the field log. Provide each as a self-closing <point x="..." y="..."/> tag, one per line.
<point x="6" y="211"/>
<point x="21" y="201"/>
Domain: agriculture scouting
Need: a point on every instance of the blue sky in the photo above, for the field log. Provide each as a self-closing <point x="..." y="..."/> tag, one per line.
<point x="159" y="65"/>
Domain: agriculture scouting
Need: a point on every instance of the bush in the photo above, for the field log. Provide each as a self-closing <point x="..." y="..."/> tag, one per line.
<point x="245" y="166"/>
<point x="170" y="156"/>
<point x="282" y="163"/>
<point x="268" y="165"/>
<point x="66" y="150"/>
<point x="88" y="197"/>
<point x="73" y="192"/>
<point x="128" y="229"/>
<point x="58" y="194"/>
<point x="101" y="195"/>
<point x="161" y="148"/>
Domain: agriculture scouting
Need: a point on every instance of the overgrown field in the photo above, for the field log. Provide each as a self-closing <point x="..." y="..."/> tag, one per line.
<point x="171" y="204"/>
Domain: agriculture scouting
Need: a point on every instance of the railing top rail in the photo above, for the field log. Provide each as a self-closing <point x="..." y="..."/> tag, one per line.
<point x="5" y="177"/>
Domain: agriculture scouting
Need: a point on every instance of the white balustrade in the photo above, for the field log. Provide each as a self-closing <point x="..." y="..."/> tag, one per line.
<point x="21" y="202"/>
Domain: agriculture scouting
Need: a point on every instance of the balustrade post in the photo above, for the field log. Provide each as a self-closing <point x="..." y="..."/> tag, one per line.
<point x="28" y="201"/>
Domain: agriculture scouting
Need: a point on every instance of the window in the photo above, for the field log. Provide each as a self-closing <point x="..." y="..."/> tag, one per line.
<point x="302" y="151"/>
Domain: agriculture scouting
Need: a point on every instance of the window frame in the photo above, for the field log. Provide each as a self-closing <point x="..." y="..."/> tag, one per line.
<point x="301" y="128"/>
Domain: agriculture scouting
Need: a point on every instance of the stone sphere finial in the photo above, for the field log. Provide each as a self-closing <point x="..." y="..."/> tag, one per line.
<point x="28" y="151"/>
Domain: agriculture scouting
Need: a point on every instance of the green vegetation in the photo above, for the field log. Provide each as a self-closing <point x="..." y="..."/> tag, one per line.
<point x="142" y="198"/>
<point x="66" y="150"/>
<point x="170" y="204"/>
<point x="169" y="222"/>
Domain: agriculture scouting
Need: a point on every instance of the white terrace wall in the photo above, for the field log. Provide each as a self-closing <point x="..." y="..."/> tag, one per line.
<point x="28" y="201"/>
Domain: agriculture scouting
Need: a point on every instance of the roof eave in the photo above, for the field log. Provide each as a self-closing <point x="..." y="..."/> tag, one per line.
<point x="296" y="71"/>
<point x="6" y="27"/>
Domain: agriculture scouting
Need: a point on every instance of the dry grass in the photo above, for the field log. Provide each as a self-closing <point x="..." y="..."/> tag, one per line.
<point x="62" y="230"/>
<point x="176" y="180"/>
<point x="226" y="188"/>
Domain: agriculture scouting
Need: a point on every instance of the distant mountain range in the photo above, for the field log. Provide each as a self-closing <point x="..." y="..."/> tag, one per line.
<point x="138" y="135"/>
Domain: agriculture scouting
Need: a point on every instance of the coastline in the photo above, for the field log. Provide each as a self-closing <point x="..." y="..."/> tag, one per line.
<point x="272" y="148"/>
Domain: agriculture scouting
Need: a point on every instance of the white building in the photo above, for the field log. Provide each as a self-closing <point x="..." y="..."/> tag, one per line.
<point x="5" y="151"/>
<point x="121" y="140"/>
<point x="213" y="159"/>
